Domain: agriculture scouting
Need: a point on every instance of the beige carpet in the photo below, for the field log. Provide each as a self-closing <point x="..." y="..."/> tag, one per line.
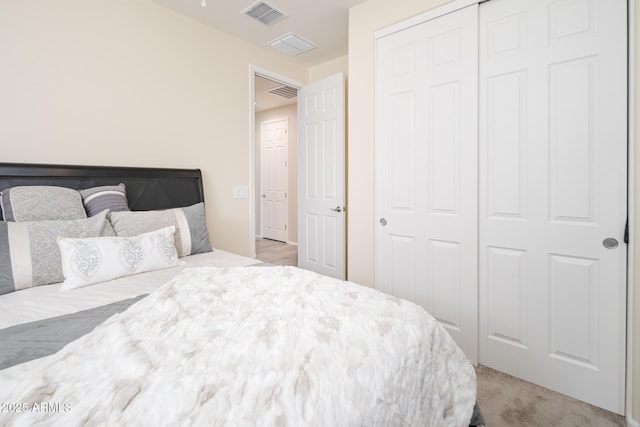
<point x="508" y="401"/>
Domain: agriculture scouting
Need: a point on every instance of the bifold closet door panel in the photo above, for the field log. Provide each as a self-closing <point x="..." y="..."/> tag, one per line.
<point x="426" y="170"/>
<point x="553" y="120"/>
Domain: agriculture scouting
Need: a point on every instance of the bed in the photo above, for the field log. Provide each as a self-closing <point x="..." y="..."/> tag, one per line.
<point x="212" y="338"/>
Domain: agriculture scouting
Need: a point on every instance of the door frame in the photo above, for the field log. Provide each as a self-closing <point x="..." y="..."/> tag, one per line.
<point x="262" y="169"/>
<point x="436" y="12"/>
<point x="633" y="288"/>
<point x="255" y="70"/>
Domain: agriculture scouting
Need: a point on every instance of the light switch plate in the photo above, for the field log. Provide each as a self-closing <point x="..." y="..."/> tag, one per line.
<point x="240" y="192"/>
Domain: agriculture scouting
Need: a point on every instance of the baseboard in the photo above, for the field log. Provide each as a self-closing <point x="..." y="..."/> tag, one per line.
<point x="259" y="236"/>
<point x="632" y="423"/>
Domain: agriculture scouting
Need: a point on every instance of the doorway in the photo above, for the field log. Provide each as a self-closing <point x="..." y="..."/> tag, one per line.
<point x="319" y="165"/>
<point x="274" y="101"/>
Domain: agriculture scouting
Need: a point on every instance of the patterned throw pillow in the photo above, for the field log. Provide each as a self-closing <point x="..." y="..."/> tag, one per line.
<point x="94" y="260"/>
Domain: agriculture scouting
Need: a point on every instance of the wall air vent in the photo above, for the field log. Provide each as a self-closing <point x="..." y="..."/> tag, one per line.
<point x="264" y="12"/>
<point x="291" y="44"/>
<point x="284" y="91"/>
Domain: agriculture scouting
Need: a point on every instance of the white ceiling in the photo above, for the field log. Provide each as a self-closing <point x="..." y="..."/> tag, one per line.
<point x="322" y="22"/>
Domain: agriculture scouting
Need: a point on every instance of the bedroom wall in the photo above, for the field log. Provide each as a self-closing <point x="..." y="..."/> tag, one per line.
<point x="131" y="83"/>
<point x="364" y="20"/>
<point x="326" y="69"/>
<point x="291" y="112"/>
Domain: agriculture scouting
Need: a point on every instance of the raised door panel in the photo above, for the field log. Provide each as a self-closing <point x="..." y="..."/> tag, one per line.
<point x="573" y="310"/>
<point x="443" y="163"/>
<point x="444" y="284"/>
<point x="572" y="122"/>
<point x="401" y="151"/>
<point x="506" y="296"/>
<point x="506" y="145"/>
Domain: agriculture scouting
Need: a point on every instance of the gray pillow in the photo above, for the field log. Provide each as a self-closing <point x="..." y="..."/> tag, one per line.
<point x="192" y="236"/>
<point x="29" y="252"/>
<point x="97" y="199"/>
<point x="41" y="203"/>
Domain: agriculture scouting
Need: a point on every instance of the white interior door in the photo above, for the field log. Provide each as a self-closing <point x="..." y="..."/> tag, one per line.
<point x="275" y="179"/>
<point x="321" y="177"/>
<point x="553" y="90"/>
<point x="426" y="170"/>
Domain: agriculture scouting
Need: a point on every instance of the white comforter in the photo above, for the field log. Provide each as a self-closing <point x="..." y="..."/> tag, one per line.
<point x="257" y="346"/>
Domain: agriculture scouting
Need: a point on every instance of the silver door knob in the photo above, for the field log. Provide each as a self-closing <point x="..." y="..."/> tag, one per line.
<point x="336" y="209"/>
<point x="383" y="221"/>
<point x="610" y="243"/>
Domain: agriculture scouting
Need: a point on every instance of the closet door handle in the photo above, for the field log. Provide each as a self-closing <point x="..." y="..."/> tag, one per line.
<point x="336" y="209"/>
<point x="383" y="222"/>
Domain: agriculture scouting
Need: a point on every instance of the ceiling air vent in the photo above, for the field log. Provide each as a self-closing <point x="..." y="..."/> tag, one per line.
<point x="292" y="44"/>
<point x="284" y="91"/>
<point x="264" y="12"/>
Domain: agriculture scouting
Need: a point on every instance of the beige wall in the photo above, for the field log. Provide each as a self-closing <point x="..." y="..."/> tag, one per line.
<point x="290" y="112"/>
<point x="326" y="69"/>
<point x="364" y="20"/>
<point x="129" y="82"/>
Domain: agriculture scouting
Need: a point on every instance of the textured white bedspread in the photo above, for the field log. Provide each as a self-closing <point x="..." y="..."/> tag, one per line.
<point x="258" y="346"/>
<point x="44" y="302"/>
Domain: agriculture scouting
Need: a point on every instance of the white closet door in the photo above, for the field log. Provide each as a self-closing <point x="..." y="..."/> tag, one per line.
<point x="426" y="170"/>
<point x="552" y="188"/>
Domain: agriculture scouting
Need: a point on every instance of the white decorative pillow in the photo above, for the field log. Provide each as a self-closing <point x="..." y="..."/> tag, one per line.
<point x="94" y="260"/>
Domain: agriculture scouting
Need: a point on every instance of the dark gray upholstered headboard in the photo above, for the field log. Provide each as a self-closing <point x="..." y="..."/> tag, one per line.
<point x="147" y="188"/>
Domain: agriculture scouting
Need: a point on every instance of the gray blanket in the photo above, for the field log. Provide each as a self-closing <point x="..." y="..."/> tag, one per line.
<point x="22" y="343"/>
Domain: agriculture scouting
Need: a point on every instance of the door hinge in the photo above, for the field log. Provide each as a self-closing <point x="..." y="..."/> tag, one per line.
<point x="285" y="195"/>
<point x="285" y="226"/>
<point x="286" y="163"/>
